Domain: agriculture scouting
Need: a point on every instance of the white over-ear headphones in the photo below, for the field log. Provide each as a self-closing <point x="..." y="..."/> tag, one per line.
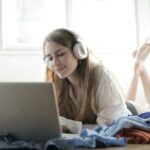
<point x="80" y="50"/>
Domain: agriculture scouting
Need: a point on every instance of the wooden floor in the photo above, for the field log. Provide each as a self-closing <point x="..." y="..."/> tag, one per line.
<point x="127" y="147"/>
<point x="130" y="147"/>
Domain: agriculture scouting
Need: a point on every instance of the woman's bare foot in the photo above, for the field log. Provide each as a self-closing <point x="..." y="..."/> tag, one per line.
<point x="142" y="52"/>
<point x="138" y="66"/>
<point x="140" y="56"/>
<point x="134" y="53"/>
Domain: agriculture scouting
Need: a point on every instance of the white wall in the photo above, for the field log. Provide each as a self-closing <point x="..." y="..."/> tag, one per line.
<point x="21" y="67"/>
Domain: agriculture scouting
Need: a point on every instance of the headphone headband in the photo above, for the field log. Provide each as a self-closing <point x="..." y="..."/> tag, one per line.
<point x="79" y="50"/>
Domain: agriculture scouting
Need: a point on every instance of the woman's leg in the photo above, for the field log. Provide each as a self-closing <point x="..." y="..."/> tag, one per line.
<point x="145" y="77"/>
<point x="140" y="56"/>
<point x="131" y="93"/>
<point x="132" y="90"/>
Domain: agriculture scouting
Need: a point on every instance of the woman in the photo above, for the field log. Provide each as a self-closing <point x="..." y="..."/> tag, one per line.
<point x="139" y="71"/>
<point x="86" y="91"/>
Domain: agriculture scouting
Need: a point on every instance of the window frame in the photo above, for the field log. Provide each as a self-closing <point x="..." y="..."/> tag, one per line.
<point x="18" y="48"/>
<point x="70" y="14"/>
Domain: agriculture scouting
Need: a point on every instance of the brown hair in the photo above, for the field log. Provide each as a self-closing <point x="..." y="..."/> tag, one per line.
<point x="84" y="107"/>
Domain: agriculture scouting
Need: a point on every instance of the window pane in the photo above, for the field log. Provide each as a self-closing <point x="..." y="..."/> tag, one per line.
<point x="143" y="20"/>
<point x="112" y="29"/>
<point x="28" y="21"/>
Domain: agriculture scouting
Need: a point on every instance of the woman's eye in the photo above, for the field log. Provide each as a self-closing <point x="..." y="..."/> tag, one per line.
<point x="60" y="54"/>
<point x="49" y="58"/>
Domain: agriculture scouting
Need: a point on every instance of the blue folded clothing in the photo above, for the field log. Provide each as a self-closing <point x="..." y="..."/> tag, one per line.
<point x="101" y="136"/>
<point x="94" y="140"/>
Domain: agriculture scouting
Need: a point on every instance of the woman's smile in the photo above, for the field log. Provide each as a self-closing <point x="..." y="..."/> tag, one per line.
<point x="60" y="68"/>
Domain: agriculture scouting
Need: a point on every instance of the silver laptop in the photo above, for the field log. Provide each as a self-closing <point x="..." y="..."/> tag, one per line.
<point x="28" y="110"/>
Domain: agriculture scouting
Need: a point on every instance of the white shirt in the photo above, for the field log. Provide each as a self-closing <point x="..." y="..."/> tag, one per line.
<point x="110" y="101"/>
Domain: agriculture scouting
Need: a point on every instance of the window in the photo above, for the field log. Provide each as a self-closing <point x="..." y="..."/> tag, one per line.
<point x="26" y="22"/>
<point x="112" y="29"/>
<point x="143" y="20"/>
<point x="105" y="25"/>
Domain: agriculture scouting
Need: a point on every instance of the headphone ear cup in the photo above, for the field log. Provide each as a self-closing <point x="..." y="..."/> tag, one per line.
<point x="80" y="50"/>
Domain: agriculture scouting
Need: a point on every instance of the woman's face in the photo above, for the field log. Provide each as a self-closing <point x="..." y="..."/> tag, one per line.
<point x="60" y="59"/>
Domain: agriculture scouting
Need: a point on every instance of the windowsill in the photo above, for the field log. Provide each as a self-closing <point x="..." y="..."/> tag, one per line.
<point x="11" y="53"/>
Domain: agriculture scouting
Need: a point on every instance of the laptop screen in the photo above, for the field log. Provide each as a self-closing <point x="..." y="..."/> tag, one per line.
<point x="28" y="110"/>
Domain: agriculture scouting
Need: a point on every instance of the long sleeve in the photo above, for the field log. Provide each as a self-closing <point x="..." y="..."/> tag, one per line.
<point x="109" y="97"/>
